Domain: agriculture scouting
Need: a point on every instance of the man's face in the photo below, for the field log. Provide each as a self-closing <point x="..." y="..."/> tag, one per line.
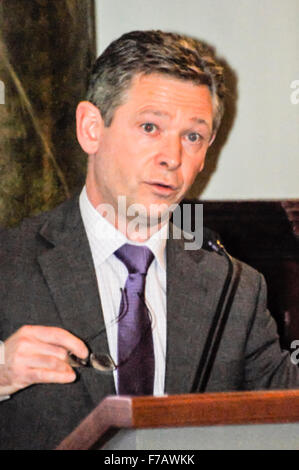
<point x="155" y="145"/>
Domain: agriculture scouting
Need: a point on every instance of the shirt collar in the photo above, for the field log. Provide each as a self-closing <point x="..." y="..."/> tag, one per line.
<point x="105" y="239"/>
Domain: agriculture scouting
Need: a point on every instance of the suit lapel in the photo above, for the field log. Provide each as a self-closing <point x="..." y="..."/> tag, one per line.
<point x="193" y="280"/>
<point x="69" y="272"/>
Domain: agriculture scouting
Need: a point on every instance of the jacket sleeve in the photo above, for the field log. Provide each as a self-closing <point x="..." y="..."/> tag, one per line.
<point x="266" y="365"/>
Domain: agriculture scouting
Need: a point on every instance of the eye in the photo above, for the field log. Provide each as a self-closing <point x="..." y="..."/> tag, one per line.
<point x="194" y="137"/>
<point x="149" y="127"/>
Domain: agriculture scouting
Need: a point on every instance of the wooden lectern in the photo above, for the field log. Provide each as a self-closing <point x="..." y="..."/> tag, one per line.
<point x="236" y="420"/>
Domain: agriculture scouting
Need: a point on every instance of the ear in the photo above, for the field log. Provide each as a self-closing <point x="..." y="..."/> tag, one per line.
<point x="212" y="138"/>
<point x="89" y="125"/>
<point x="202" y="165"/>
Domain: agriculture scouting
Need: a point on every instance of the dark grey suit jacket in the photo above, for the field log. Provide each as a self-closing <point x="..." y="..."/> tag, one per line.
<point x="47" y="277"/>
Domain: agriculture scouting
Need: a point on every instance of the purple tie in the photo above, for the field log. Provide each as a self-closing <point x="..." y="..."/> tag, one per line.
<point x="135" y="341"/>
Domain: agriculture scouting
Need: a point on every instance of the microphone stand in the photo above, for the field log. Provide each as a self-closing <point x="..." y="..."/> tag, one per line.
<point x="219" y="321"/>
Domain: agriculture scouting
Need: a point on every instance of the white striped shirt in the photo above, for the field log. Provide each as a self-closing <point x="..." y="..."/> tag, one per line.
<point x="104" y="239"/>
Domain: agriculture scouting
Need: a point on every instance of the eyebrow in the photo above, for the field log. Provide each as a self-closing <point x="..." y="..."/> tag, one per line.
<point x="156" y="113"/>
<point x="165" y="114"/>
<point x="200" y="121"/>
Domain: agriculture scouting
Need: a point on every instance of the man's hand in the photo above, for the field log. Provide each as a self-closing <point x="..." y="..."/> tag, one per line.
<point x="38" y="354"/>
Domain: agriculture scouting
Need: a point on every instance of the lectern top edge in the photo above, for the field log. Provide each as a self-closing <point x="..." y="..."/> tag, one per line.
<point x="184" y="410"/>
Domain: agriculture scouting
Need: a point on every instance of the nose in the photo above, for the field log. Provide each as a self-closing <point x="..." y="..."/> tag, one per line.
<point x="170" y="155"/>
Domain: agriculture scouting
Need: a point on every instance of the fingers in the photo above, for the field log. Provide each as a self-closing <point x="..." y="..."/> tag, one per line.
<point x="34" y="369"/>
<point x="39" y="354"/>
<point x="41" y="361"/>
<point x="25" y="346"/>
<point x="56" y="336"/>
<point x="50" y="376"/>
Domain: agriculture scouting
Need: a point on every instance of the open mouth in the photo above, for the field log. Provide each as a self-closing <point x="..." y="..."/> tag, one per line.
<point x="162" y="185"/>
<point x="163" y="188"/>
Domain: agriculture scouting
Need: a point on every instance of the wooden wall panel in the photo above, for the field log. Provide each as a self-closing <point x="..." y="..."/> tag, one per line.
<point x="46" y="50"/>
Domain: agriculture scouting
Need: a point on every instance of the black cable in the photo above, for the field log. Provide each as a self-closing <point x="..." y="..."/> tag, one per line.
<point x="219" y="321"/>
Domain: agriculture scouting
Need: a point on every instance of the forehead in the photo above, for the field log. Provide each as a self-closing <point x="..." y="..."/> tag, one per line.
<point x="161" y="92"/>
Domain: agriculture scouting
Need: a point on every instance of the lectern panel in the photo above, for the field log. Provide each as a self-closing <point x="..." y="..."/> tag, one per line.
<point x="251" y="437"/>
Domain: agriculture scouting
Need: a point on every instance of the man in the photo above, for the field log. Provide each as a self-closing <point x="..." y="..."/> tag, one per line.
<point x="155" y="102"/>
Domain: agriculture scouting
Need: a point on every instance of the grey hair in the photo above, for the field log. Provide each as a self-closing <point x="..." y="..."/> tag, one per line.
<point x="147" y="52"/>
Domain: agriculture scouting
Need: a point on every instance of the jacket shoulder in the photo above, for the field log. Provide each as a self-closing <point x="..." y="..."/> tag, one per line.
<point x="25" y="240"/>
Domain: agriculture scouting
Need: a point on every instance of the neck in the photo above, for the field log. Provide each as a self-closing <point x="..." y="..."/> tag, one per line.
<point x="137" y="228"/>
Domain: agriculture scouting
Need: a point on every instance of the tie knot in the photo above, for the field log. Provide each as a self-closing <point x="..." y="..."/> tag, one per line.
<point x="136" y="258"/>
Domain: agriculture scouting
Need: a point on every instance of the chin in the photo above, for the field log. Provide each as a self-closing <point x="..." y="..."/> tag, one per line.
<point x="149" y="210"/>
<point x="160" y="214"/>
